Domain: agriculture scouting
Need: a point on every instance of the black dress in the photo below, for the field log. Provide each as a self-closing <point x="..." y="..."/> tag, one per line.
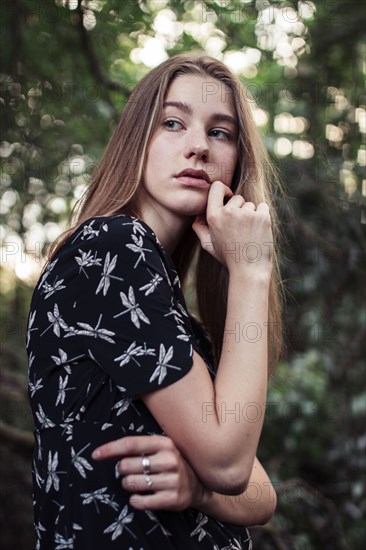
<point x="108" y="323"/>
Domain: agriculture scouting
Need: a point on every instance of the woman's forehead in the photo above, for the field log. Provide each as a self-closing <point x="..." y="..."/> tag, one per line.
<point x="202" y="89"/>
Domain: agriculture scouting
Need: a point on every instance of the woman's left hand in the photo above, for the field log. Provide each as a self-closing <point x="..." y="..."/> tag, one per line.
<point x="163" y="480"/>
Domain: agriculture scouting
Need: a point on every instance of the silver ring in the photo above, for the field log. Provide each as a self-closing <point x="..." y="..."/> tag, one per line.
<point x="149" y="481"/>
<point x="146" y="464"/>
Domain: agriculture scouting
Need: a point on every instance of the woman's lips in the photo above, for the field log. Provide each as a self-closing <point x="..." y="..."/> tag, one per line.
<point x="194" y="178"/>
<point x="193" y="182"/>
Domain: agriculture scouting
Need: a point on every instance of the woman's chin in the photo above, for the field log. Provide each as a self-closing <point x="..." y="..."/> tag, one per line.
<point x="193" y="208"/>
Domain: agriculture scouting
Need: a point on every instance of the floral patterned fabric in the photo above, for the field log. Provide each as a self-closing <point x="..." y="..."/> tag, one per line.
<point x="108" y="323"/>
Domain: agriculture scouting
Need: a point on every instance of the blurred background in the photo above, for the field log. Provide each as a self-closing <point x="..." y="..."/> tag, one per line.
<point x="67" y="68"/>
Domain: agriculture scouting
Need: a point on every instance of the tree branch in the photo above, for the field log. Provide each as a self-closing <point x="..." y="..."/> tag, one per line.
<point x="93" y="61"/>
<point x="16" y="43"/>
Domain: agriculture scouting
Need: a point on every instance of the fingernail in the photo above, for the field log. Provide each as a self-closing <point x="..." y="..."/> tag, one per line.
<point x="96" y="454"/>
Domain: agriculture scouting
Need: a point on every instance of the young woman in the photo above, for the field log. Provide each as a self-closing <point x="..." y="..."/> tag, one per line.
<point x="148" y="420"/>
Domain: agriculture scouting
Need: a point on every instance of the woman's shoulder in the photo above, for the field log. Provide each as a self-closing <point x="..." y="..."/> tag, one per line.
<point x="120" y="239"/>
<point x="101" y="228"/>
<point x="112" y="234"/>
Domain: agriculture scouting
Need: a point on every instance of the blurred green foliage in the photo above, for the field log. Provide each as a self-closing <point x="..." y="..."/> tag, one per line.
<point x="67" y="68"/>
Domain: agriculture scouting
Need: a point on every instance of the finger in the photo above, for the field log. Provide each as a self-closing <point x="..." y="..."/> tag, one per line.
<point x="200" y="219"/>
<point x="200" y="227"/>
<point x="162" y="500"/>
<point x="131" y="446"/>
<point x="137" y="483"/>
<point x="217" y="192"/>
<point x="249" y="205"/>
<point x="162" y="461"/>
<point x="262" y="207"/>
<point x="133" y="465"/>
<point x="236" y="200"/>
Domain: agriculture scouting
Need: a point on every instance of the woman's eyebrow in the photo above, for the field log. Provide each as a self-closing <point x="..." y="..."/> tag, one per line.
<point x="181" y="105"/>
<point x="215" y="117"/>
<point x="221" y="117"/>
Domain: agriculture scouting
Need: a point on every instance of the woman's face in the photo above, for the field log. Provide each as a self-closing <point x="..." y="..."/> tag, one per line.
<point x="194" y="145"/>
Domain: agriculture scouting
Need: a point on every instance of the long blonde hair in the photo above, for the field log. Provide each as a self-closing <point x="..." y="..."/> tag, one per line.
<point x="116" y="182"/>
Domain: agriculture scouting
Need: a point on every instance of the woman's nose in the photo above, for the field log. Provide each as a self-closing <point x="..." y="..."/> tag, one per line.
<point x="196" y="145"/>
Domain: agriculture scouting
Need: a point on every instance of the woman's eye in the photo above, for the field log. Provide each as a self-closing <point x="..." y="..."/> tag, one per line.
<point x="171" y="124"/>
<point x="220" y="134"/>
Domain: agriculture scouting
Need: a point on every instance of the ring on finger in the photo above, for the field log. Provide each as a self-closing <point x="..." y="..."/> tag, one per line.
<point x="149" y="481"/>
<point x="146" y="464"/>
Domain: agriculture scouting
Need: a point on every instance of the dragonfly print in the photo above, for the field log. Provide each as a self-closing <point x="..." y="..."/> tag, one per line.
<point x="37" y="385"/>
<point x="122" y="405"/>
<point x="32" y="316"/>
<point x="199" y="530"/>
<point x="163" y="365"/>
<point x="44" y="421"/>
<point x="67" y="425"/>
<point x="39" y="529"/>
<point x="80" y="463"/>
<point x="63" y="542"/>
<point x="88" y="232"/>
<point x="63" y="361"/>
<point x="38" y="478"/>
<point x="60" y="508"/>
<point x="152" y="285"/>
<point x="49" y="267"/>
<point x="133" y="308"/>
<point x="87" y="259"/>
<point x="105" y="281"/>
<point x="108" y="324"/>
<point x="99" y="495"/>
<point x="136" y="226"/>
<point x="116" y="528"/>
<point x="62" y="389"/>
<point x="95" y="332"/>
<point x="56" y="321"/>
<point x="52" y="472"/>
<point x="134" y="351"/>
<point x="157" y="525"/>
<point x="137" y="247"/>
<point x="48" y="289"/>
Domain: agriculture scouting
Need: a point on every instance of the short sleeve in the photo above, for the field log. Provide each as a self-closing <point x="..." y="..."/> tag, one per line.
<point x="128" y="314"/>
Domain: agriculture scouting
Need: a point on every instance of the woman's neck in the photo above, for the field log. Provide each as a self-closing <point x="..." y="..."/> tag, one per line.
<point x="167" y="226"/>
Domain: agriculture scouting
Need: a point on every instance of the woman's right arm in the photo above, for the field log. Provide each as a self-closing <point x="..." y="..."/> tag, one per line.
<point x="217" y="425"/>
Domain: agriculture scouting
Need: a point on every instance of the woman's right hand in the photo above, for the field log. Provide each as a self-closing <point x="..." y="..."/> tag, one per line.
<point x="173" y="484"/>
<point x="237" y="233"/>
